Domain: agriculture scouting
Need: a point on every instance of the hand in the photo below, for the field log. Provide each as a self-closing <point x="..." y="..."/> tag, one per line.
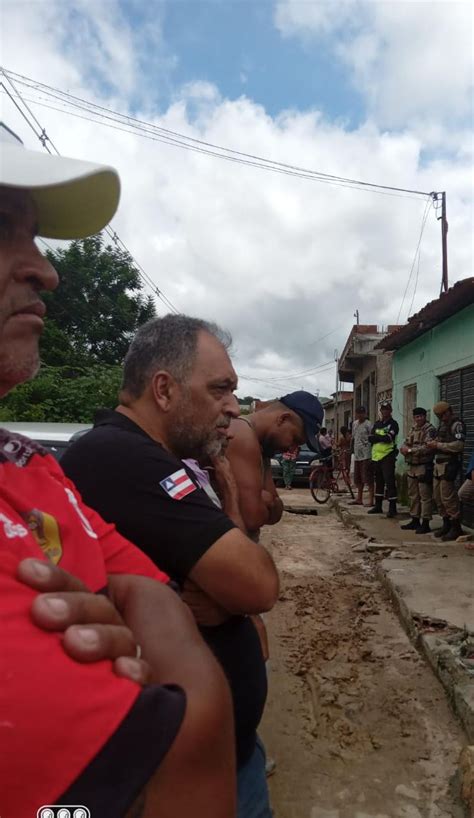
<point x="432" y="444"/>
<point x="223" y="474"/>
<point x="404" y="449"/>
<point x="93" y="628"/>
<point x="206" y="612"/>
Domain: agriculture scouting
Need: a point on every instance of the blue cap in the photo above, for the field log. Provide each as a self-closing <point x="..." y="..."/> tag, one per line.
<point x="311" y="412"/>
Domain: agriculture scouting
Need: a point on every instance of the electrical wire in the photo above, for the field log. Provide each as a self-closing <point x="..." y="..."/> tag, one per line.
<point x="282" y="381"/>
<point x="158" y="133"/>
<point x="312" y="343"/>
<point x="423" y="223"/>
<point x="44" y="138"/>
<point x="416" y="284"/>
<point x="305" y="372"/>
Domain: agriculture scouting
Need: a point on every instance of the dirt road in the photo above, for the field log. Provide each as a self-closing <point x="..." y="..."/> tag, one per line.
<point x="357" y="723"/>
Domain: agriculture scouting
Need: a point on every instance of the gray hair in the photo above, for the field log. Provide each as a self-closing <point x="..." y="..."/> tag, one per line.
<point x="168" y="343"/>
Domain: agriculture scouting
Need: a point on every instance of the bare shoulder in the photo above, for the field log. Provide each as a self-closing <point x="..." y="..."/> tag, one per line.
<point x="244" y="440"/>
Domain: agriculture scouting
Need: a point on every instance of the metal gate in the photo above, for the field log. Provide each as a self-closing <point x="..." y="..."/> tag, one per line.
<point x="457" y="388"/>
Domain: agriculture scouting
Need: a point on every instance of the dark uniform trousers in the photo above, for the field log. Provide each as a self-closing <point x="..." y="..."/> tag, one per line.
<point x="385" y="476"/>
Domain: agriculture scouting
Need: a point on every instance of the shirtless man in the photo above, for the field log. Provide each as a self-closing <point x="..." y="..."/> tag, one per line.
<point x="290" y="421"/>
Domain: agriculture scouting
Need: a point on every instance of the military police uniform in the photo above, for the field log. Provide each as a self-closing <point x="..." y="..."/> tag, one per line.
<point x="450" y="436"/>
<point x="419" y="458"/>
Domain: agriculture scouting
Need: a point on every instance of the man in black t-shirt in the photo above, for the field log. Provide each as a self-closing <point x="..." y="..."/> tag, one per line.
<point x="177" y="402"/>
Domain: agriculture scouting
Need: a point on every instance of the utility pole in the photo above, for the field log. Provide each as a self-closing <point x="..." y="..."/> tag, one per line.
<point x="336" y="417"/>
<point x="356" y="316"/>
<point x="444" y="239"/>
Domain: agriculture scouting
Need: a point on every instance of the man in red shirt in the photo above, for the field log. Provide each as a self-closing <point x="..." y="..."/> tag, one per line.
<point x="77" y="733"/>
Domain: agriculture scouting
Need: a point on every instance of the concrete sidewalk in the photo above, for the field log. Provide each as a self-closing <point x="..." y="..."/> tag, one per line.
<point x="432" y="586"/>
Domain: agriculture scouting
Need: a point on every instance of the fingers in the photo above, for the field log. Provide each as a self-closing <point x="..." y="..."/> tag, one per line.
<point x="90" y="644"/>
<point x="44" y="576"/>
<point x="58" y="611"/>
<point x="137" y="670"/>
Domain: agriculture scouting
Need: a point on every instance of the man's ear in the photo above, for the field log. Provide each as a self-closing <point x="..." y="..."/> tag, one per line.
<point x="283" y="417"/>
<point x="164" y="388"/>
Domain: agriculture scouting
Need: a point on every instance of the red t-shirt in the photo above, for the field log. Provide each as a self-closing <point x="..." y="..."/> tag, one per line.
<point x="55" y="714"/>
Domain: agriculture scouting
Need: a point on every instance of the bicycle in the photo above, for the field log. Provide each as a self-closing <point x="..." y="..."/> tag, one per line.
<point x="324" y="478"/>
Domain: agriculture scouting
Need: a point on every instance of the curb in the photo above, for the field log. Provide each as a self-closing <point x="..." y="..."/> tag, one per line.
<point x="436" y="648"/>
<point x="439" y="655"/>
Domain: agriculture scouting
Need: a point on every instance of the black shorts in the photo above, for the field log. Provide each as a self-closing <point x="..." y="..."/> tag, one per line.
<point x="363" y="472"/>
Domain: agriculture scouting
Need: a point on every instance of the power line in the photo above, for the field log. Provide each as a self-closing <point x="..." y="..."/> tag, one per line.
<point x="158" y="133"/>
<point x="282" y="381"/>
<point x="423" y="223"/>
<point x="312" y="343"/>
<point x="44" y="139"/>
<point x="310" y="371"/>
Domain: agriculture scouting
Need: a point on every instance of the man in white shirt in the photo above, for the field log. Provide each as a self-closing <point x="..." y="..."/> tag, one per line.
<point x="363" y="469"/>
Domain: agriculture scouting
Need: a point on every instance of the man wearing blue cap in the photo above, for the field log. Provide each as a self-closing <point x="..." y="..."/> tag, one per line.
<point x="289" y="421"/>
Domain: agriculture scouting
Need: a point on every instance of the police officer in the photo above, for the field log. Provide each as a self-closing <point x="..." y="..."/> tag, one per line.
<point x="384" y="454"/>
<point x="419" y="458"/>
<point x="448" y="448"/>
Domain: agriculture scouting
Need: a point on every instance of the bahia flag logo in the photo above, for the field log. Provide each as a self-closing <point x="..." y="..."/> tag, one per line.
<point x="178" y="485"/>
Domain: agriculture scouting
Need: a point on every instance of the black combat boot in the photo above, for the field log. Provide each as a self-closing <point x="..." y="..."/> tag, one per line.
<point x="424" y="527"/>
<point x="377" y="509"/>
<point x="412" y="525"/>
<point x="454" y="532"/>
<point x="440" y="532"/>
<point x="392" y="509"/>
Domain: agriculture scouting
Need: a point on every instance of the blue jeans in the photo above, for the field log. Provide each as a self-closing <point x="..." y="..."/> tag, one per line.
<point x="252" y="791"/>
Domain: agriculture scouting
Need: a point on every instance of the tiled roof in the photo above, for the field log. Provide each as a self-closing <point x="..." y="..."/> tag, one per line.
<point x="449" y="303"/>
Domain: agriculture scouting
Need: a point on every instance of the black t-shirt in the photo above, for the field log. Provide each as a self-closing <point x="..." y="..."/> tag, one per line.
<point x="155" y="502"/>
<point x="138" y="746"/>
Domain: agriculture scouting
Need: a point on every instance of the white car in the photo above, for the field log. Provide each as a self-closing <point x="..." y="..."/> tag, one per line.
<point x="55" y="437"/>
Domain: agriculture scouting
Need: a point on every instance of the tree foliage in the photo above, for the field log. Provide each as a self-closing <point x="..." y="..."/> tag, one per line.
<point x="91" y="318"/>
<point x="97" y="308"/>
<point x="63" y="395"/>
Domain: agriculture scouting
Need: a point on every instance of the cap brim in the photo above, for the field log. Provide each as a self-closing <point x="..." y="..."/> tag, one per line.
<point x="311" y="439"/>
<point x="73" y="198"/>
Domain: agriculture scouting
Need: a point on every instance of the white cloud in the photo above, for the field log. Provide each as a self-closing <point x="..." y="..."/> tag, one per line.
<point x="280" y="261"/>
<point x="412" y="61"/>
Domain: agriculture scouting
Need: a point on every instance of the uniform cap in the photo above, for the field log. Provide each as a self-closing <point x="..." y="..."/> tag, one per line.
<point x="73" y="198"/>
<point x="311" y="412"/>
<point x="386" y="404"/>
<point x="441" y="407"/>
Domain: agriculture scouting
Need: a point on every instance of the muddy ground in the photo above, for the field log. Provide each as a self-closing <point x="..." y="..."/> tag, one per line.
<point x="357" y="723"/>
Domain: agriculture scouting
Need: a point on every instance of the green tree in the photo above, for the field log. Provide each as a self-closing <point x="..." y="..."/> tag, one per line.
<point x="91" y="318"/>
<point x="97" y="308"/>
<point x="63" y="395"/>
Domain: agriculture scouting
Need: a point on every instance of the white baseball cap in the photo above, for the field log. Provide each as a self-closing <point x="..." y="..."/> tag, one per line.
<point x="73" y="198"/>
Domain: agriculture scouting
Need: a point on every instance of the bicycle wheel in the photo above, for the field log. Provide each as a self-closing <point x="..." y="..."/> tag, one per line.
<point x="319" y="486"/>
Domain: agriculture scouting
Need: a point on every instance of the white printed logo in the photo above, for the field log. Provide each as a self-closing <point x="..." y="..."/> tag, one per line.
<point x="11" y="529"/>
<point x="85" y="524"/>
<point x="57" y="811"/>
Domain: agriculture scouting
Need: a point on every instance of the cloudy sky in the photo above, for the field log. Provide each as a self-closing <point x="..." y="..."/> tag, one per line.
<point x="377" y="91"/>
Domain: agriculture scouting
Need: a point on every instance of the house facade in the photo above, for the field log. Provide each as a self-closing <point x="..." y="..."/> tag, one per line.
<point x="338" y="411"/>
<point x="433" y="359"/>
<point x="367" y="367"/>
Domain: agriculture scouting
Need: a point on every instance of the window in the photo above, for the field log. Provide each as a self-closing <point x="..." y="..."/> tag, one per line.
<point x="409" y="403"/>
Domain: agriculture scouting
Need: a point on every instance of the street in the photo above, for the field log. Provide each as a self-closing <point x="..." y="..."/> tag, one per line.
<point x="357" y="723"/>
